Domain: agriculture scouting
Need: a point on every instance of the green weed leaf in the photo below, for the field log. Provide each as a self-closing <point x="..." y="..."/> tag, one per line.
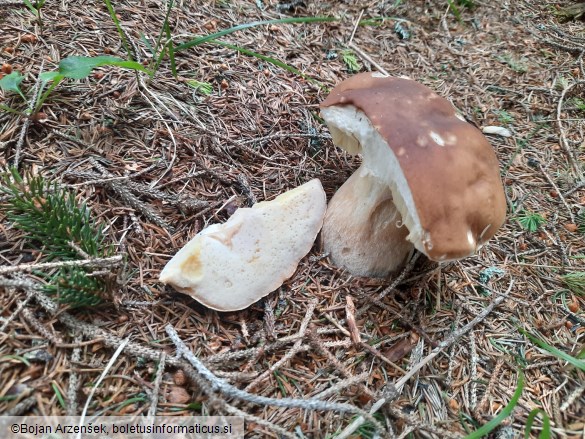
<point x="545" y="433"/>
<point x="507" y="411"/>
<point x="554" y="351"/>
<point x="79" y="67"/>
<point x="575" y="282"/>
<point x="350" y="60"/>
<point x="530" y="221"/>
<point x="12" y="83"/>
<point x="205" y="88"/>
<point x="49" y="76"/>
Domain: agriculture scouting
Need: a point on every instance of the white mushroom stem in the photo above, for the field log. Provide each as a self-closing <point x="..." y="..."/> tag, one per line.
<point x="363" y="229"/>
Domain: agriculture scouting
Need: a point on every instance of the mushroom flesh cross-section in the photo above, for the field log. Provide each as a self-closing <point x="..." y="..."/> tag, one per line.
<point x="229" y="266"/>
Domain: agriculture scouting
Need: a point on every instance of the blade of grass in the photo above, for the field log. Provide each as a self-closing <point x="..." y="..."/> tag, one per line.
<point x="59" y="395"/>
<point x="507" y="411"/>
<point x="121" y="33"/>
<point x="552" y="350"/>
<point x="162" y="30"/>
<point x="268" y="59"/>
<point x="207" y="38"/>
<point x="29" y="5"/>
<point x="545" y="433"/>
<point x="171" y="49"/>
<point x="147" y="44"/>
<point x="15" y="357"/>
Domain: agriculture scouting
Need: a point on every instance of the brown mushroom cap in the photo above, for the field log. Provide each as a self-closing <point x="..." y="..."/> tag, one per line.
<point x="450" y="194"/>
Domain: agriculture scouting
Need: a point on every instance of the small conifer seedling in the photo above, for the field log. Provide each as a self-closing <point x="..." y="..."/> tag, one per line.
<point x="61" y="229"/>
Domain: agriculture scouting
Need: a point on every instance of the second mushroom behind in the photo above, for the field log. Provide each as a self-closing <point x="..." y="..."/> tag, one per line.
<point x="428" y="180"/>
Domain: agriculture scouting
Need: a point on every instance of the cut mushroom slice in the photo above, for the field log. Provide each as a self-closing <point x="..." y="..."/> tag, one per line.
<point x="426" y="175"/>
<point x="229" y="266"/>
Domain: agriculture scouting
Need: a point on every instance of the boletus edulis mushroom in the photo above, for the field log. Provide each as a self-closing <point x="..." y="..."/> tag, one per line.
<point x="428" y="180"/>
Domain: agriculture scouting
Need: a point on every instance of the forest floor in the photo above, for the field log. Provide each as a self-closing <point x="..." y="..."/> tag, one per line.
<point x="156" y="159"/>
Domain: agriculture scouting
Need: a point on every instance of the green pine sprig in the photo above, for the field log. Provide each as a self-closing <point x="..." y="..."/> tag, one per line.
<point x="61" y="229"/>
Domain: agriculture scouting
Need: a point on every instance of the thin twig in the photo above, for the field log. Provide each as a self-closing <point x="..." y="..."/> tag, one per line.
<point x="72" y="403"/>
<point x="89" y="263"/>
<point x="557" y="190"/>
<point x="456" y="335"/>
<point x="563" y="138"/>
<point x="367" y="57"/>
<point x="156" y="385"/>
<point x="233" y="392"/>
<point x="31" y="106"/>
<point x="38" y="326"/>
<point x="12" y="316"/>
<point x="355" y="26"/>
<point x="99" y="381"/>
<point x="291" y="353"/>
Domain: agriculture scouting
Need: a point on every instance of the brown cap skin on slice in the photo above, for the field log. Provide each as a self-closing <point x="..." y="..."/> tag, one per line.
<point x="450" y="167"/>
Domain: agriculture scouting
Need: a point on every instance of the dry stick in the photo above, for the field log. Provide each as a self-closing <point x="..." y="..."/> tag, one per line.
<point x="283" y="136"/>
<point x="407" y="269"/>
<point x="92" y="262"/>
<point x="343" y="384"/>
<point x="354" y="332"/>
<point x="140" y="188"/>
<point x="254" y="352"/>
<point x="562" y="249"/>
<point x="156" y="384"/>
<point x="228" y="390"/>
<point x="19" y="308"/>
<point x="451" y="354"/>
<point x="292" y="352"/>
<point x="38" y="326"/>
<point x="473" y="372"/>
<point x="557" y="190"/>
<point x="25" y="126"/>
<point x="480" y="409"/>
<point x="76" y="140"/>
<point x="575" y="189"/>
<point x="99" y="381"/>
<point x="564" y="143"/>
<point x="316" y="342"/>
<point x="129" y="198"/>
<point x="456" y="335"/>
<point x="12" y="3"/>
<point x="269" y="320"/>
<point x="367" y="57"/>
<point x="74" y="379"/>
<point x="575" y="394"/>
<point x="357" y="23"/>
